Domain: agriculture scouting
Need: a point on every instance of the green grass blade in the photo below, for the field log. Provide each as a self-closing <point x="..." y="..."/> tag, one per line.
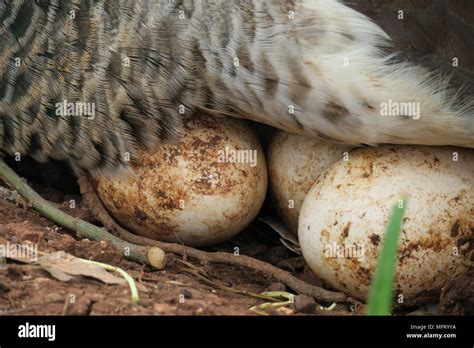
<point x="381" y="291"/>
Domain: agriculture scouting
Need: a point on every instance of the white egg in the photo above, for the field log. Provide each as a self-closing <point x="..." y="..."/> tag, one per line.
<point x="203" y="190"/>
<point x="345" y="214"/>
<point x="294" y="163"/>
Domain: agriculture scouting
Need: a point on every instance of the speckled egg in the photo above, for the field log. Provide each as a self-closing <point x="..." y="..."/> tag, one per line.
<point x="344" y="217"/>
<point x="294" y="164"/>
<point x="202" y="190"/>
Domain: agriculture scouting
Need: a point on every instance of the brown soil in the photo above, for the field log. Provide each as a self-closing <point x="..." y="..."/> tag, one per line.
<point x="29" y="290"/>
<point x="458" y="297"/>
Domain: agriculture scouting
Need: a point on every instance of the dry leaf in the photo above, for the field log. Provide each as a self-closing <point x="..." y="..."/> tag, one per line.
<point x="63" y="266"/>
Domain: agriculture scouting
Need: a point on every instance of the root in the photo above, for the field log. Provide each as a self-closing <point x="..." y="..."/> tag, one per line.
<point x="83" y="228"/>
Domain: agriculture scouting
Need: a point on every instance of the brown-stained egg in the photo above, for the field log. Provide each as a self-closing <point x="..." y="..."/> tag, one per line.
<point x="345" y="214"/>
<point x="294" y="164"/>
<point x="202" y="190"/>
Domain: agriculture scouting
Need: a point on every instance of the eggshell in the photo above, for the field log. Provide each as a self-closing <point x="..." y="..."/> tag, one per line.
<point x="196" y="191"/>
<point x="344" y="217"/>
<point x="294" y="164"/>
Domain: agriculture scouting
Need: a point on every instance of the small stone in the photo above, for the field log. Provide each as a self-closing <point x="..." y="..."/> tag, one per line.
<point x="303" y="304"/>
<point x="156" y="258"/>
<point x="186" y="293"/>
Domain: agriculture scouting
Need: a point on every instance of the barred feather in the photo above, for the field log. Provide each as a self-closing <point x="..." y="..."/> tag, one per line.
<point x="141" y="62"/>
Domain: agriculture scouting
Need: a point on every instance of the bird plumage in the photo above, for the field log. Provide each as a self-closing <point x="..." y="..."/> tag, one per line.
<point x="313" y="67"/>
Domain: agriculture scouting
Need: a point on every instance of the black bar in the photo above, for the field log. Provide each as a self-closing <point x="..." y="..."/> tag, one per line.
<point x="243" y="330"/>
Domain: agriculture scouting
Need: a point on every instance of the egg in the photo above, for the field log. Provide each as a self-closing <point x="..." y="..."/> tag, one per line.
<point x="202" y="190"/>
<point x="345" y="214"/>
<point x="294" y="164"/>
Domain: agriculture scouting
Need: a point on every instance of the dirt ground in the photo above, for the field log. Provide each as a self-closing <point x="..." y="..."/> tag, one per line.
<point x="27" y="289"/>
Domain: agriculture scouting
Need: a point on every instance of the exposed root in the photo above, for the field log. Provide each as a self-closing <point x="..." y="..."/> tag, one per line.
<point x="83" y="228"/>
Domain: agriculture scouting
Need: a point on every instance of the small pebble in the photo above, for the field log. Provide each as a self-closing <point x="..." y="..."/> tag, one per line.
<point x="303" y="304"/>
<point x="186" y="293"/>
